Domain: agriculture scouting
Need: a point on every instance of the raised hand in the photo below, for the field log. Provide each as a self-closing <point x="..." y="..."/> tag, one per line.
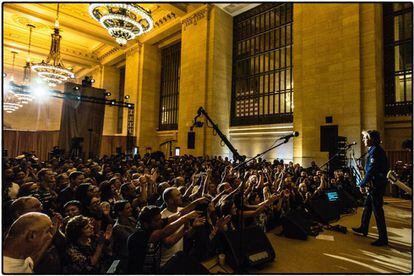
<point x="200" y="221"/>
<point x="192" y="215"/>
<point x="108" y="232"/>
<point x="223" y="221"/>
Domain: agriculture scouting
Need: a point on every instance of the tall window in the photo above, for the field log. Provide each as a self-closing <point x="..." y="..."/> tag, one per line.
<point x="262" y="90"/>
<point x="398" y="58"/>
<point x="170" y="84"/>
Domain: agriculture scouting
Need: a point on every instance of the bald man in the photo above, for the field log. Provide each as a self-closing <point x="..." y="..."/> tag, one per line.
<point x="25" y="204"/>
<point x="26" y="241"/>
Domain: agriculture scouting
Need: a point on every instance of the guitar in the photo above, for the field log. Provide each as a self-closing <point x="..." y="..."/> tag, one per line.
<point x="359" y="174"/>
<point x="393" y="179"/>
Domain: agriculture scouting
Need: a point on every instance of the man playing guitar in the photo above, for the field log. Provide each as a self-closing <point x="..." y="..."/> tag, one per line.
<point x="376" y="168"/>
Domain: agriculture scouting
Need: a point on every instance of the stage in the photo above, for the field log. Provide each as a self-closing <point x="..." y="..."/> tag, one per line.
<point x="334" y="252"/>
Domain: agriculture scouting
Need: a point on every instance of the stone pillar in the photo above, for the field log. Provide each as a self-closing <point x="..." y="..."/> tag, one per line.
<point x="219" y="78"/>
<point x="193" y="82"/>
<point x="147" y="108"/>
<point x="372" y="57"/>
<point x="110" y="82"/>
<point x="327" y="75"/>
<point x="132" y="79"/>
<point x="206" y="61"/>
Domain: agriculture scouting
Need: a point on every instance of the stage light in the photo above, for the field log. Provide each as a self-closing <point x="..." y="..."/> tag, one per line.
<point x="40" y="92"/>
<point x="92" y="80"/>
<point x="126" y="97"/>
<point x="76" y="88"/>
<point x="6" y="86"/>
<point x="129" y="105"/>
<point x="107" y="94"/>
<point x="112" y="102"/>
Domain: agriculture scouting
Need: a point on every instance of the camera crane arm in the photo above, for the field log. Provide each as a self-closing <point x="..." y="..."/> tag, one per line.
<point x="223" y="137"/>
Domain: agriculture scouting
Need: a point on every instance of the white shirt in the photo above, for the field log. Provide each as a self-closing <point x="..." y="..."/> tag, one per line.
<point x="167" y="253"/>
<point x="11" y="265"/>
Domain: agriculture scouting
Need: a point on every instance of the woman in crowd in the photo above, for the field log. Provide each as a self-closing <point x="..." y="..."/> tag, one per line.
<point x="124" y="226"/>
<point x="84" y="251"/>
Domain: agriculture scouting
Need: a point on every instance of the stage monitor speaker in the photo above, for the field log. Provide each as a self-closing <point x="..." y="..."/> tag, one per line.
<point x="326" y="209"/>
<point x="191" y="140"/>
<point x="181" y="263"/>
<point x="347" y="201"/>
<point x="295" y="226"/>
<point x="256" y="248"/>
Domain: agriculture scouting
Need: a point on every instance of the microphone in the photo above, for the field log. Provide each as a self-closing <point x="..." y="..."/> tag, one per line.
<point x="287" y="137"/>
<point x="351" y="144"/>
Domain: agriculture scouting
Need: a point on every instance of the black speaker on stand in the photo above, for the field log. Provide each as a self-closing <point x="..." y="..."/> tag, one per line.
<point x="191" y="140"/>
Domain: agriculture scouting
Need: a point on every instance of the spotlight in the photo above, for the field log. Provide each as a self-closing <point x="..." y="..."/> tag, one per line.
<point x="129" y="105"/>
<point x="76" y="88"/>
<point x="87" y="81"/>
<point x="107" y="94"/>
<point x="40" y="93"/>
<point x="78" y="98"/>
<point x="4" y="75"/>
<point x="126" y="97"/>
<point x="112" y="102"/>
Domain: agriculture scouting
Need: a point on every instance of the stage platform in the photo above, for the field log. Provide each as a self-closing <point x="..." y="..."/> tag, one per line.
<point x="334" y="252"/>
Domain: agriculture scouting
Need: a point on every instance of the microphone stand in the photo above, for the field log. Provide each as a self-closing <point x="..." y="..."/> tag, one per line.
<point x="242" y="166"/>
<point x="328" y="163"/>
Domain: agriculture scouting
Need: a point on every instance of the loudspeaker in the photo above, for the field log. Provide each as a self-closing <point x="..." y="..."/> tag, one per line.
<point x="295" y="226"/>
<point x="182" y="263"/>
<point x="256" y="248"/>
<point x="325" y="211"/>
<point x="347" y="201"/>
<point x="191" y="140"/>
<point x="329" y="136"/>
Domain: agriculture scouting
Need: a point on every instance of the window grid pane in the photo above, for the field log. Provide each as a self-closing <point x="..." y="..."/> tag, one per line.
<point x="262" y="90"/>
<point x="170" y="80"/>
<point x="398" y="45"/>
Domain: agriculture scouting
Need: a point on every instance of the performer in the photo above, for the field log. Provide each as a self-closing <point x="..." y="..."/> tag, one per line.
<point x="376" y="168"/>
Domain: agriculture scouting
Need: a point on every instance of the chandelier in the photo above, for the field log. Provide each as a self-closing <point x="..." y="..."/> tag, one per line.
<point x="11" y="101"/>
<point x="26" y="97"/>
<point x="52" y="70"/>
<point x="124" y="21"/>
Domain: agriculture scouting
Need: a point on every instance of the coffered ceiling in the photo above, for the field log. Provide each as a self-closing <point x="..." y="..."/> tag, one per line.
<point x="85" y="43"/>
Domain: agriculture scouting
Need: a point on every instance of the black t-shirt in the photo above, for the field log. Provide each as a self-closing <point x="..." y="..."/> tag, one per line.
<point x="144" y="256"/>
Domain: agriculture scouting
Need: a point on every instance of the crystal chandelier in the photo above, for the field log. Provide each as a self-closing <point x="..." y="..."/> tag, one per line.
<point x="52" y="70"/>
<point x="11" y="101"/>
<point x="124" y="21"/>
<point x="24" y="97"/>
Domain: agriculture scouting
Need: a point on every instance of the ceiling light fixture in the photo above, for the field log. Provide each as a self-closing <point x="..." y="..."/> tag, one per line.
<point x="124" y="21"/>
<point x="11" y="101"/>
<point x="52" y="70"/>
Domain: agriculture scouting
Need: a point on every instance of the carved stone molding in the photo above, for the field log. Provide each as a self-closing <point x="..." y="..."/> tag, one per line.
<point x="107" y="54"/>
<point x="135" y="47"/>
<point x="195" y="17"/>
<point x="165" y="19"/>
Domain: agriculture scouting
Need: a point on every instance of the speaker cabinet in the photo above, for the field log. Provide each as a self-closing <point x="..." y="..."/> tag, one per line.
<point x="191" y="140"/>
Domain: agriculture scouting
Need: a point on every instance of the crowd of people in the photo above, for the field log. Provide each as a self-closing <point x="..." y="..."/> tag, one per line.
<point x="78" y="216"/>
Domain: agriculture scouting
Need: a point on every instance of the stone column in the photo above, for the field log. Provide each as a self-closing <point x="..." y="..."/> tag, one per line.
<point x="206" y="62"/>
<point x="327" y="75"/>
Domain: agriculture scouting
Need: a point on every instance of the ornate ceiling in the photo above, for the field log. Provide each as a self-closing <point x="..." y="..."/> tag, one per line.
<point x="85" y="44"/>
